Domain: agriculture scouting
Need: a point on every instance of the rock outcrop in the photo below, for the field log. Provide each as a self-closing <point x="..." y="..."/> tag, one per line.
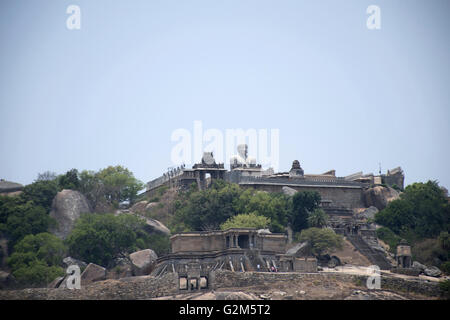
<point x="143" y="262"/>
<point x="93" y="273"/>
<point x="432" y="271"/>
<point x="67" y="207"/>
<point x="69" y="261"/>
<point x="379" y="196"/>
<point x="368" y="213"/>
<point x="151" y="225"/>
<point x="289" y="191"/>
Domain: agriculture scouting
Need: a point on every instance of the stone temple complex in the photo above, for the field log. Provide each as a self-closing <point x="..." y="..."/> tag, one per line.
<point x="348" y="201"/>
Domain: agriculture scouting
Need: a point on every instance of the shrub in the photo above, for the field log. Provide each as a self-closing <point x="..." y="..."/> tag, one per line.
<point x="445" y="267"/>
<point x="321" y="241"/>
<point x="101" y="238"/>
<point x="246" y="221"/>
<point x="37" y="259"/>
<point x="444" y="287"/>
<point x="389" y="237"/>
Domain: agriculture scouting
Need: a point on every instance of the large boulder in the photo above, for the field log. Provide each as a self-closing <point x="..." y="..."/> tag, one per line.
<point x="122" y="269"/>
<point x="67" y="207"/>
<point x="56" y="283"/>
<point x="139" y="207"/>
<point x="143" y="262"/>
<point x="432" y="271"/>
<point x="368" y="213"/>
<point x="93" y="273"/>
<point x="379" y="196"/>
<point x="288" y="191"/>
<point x="418" y="266"/>
<point x="153" y="225"/>
<point x="69" y="261"/>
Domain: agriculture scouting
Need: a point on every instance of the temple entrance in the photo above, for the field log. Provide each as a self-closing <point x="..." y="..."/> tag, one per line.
<point x="243" y="241"/>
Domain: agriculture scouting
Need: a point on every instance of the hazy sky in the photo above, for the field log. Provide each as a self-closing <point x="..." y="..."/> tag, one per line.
<point x="342" y="96"/>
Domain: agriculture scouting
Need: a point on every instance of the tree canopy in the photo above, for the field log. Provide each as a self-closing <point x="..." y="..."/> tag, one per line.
<point x="303" y="203"/>
<point x="102" y="238"/>
<point x="320" y="241"/>
<point x="37" y="259"/>
<point x="246" y="221"/>
<point x="422" y="211"/>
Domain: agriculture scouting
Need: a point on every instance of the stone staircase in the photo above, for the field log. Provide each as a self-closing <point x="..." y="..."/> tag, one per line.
<point x="374" y="256"/>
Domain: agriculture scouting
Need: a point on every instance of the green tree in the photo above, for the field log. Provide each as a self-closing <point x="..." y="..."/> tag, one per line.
<point x="119" y="184"/>
<point x="318" y="218"/>
<point x="101" y="238"/>
<point x="246" y="221"/>
<point x="19" y="218"/>
<point x="273" y="206"/>
<point x="302" y="204"/>
<point x="37" y="259"/>
<point x="389" y="237"/>
<point x="206" y="209"/>
<point x="320" y="241"/>
<point x="41" y="193"/>
<point x="69" y="180"/>
<point x="422" y="211"/>
<point x="92" y="187"/>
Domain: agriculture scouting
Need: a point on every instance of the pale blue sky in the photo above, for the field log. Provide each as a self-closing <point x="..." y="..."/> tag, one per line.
<point x="343" y="97"/>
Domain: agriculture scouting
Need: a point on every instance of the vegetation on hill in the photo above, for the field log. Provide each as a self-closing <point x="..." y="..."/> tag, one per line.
<point x="209" y="209"/>
<point x="25" y="221"/>
<point x="246" y="221"/>
<point x="422" y="217"/>
<point x="37" y="259"/>
<point x="320" y="240"/>
<point x="104" y="238"/>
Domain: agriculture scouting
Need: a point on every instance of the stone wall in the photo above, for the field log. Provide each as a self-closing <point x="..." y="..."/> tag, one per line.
<point x="346" y="197"/>
<point x="226" y="279"/>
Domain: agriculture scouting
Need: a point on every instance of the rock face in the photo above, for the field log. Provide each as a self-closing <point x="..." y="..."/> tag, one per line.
<point x="379" y="196"/>
<point x="432" y="271"/>
<point x="153" y="225"/>
<point x="93" y="273"/>
<point x="418" y="266"/>
<point x="69" y="261"/>
<point x="289" y="191"/>
<point x="143" y="262"/>
<point x="67" y="207"/>
<point x="369" y="213"/>
<point x="56" y="283"/>
<point x="139" y="207"/>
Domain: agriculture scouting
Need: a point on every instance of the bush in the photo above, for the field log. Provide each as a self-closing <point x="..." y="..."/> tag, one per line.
<point x="37" y="259"/>
<point x="19" y="218"/>
<point x="321" y="241"/>
<point x="429" y="252"/>
<point x="101" y="238"/>
<point x="302" y="204"/>
<point x="444" y="287"/>
<point x="41" y="193"/>
<point x="389" y="238"/>
<point x="422" y="211"/>
<point x="445" y="267"/>
<point x="246" y="221"/>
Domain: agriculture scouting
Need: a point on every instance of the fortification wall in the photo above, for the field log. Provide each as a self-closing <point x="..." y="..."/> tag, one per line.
<point x="341" y="196"/>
